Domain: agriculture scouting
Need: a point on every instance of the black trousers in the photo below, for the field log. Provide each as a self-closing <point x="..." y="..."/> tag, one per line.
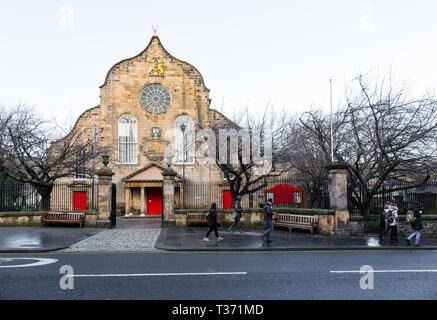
<point x="393" y="232"/>
<point x="212" y="228"/>
<point x="236" y="222"/>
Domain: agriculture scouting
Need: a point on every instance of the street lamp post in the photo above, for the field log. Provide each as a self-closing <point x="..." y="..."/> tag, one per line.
<point x="183" y="127"/>
<point x="96" y="131"/>
<point x="183" y="151"/>
<point x="168" y="160"/>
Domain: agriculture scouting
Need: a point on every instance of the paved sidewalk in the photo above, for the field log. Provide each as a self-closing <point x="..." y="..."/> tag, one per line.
<point x="131" y="235"/>
<point x="191" y="239"/>
<point x="38" y="239"/>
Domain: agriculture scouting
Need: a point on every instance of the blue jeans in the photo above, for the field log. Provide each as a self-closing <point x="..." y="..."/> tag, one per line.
<point x="269" y="228"/>
<point x="416" y="234"/>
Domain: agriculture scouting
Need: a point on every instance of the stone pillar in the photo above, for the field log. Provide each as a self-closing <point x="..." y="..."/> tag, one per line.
<point x="104" y="183"/>
<point x="338" y="198"/>
<point x="168" y="194"/>
<point x="128" y="200"/>
<point x="143" y="201"/>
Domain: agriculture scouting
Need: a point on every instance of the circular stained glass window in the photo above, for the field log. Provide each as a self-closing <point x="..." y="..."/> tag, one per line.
<point x="155" y="98"/>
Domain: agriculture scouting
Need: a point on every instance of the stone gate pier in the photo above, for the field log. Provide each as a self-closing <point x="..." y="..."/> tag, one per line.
<point x="343" y="224"/>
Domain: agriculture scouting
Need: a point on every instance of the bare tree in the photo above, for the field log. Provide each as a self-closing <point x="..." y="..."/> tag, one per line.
<point x="308" y="159"/>
<point x="381" y="134"/>
<point x="246" y="174"/>
<point x="38" y="152"/>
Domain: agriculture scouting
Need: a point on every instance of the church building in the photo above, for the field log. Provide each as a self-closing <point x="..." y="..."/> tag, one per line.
<point x="150" y="107"/>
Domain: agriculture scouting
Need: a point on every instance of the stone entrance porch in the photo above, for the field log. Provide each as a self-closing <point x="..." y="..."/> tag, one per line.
<point x="144" y="191"/>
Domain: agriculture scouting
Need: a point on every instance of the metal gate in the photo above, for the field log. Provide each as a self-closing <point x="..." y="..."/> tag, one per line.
<point x="113" y="214"/>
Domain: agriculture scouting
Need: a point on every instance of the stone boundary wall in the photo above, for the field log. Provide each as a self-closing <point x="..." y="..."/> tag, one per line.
<point x="429" y="223"/>
<point x="33" y="218"/>
<point x="255" y="217"/>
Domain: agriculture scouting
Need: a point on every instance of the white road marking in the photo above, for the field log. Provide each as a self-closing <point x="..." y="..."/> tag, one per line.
<point x="39" y="262"/>
<point x="157" y="274"/>
<point x="381" y="271"/>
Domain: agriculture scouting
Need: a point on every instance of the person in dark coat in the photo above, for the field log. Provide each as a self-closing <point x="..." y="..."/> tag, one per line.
<point x="212" y="223"/>
<point x="268" y="220"/>
<point x="416" y="224"/>
<point x="238" y="213"/>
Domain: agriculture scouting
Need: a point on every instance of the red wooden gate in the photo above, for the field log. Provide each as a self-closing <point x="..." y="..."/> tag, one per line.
<point x="79" y="200"/>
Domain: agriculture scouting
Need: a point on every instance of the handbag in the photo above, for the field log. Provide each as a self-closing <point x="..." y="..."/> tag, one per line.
<point x="234" y="215"/>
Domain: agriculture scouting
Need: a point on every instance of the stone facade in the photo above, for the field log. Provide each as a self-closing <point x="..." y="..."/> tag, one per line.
<point x="120" y="94"/>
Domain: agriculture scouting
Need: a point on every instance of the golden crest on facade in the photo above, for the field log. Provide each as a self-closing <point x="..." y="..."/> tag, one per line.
<point x="156" y="67"/>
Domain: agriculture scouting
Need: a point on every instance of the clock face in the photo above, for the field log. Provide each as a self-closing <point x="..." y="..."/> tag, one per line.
<point x="155" y="98"/>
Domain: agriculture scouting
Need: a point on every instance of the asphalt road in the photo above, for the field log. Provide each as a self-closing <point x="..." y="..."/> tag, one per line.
<point x="221" y="275"/>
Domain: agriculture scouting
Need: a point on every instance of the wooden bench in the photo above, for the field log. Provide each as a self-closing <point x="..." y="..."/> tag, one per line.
<point x="60" y="217"/>
<point x="296" y="221"/>
<point x="200" y="218"/>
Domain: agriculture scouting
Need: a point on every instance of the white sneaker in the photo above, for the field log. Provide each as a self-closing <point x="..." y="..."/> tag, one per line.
<point x="206" y="239"/>
<point x="220" y="239"/>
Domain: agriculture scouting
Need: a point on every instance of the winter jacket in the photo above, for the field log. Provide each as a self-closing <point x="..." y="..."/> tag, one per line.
<point x="237" y="206"/>
<point x="417" y="224"/>
<point x="212" y="217"/>
<point x="394" y="218"/>
<point x="268" y="211"/>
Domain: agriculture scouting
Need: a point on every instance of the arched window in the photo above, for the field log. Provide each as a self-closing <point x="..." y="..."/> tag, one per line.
<point x="127" y="139"/>
<point x="184" y="140"/>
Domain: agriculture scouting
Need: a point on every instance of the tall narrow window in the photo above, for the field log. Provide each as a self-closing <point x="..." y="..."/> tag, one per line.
<point x="79" y="163"/>
<point x="184" y="140"/>
<point x="127" y="139"/>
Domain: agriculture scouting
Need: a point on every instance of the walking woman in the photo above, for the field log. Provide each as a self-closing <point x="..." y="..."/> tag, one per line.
<point x="212" y="223"/>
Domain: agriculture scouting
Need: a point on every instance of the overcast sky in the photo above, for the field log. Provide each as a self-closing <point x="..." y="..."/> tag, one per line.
<point x="54" y="55"/>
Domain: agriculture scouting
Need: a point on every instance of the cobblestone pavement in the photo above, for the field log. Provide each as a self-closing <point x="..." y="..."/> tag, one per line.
<point x="131" y="234"/>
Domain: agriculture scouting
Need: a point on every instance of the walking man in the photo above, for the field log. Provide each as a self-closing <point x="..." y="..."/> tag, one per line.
<point x="268" y="220"/>
<point x="237" y="214"/>
<point x="414" y="216"/>
<point x="212" y="223"/>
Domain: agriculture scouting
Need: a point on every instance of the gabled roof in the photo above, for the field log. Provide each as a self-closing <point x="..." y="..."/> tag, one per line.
<point x="151" y="172"/>
<point x="170" y="56"/>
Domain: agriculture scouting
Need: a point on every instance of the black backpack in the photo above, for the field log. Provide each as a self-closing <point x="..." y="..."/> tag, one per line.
<point x="389" y="215"/>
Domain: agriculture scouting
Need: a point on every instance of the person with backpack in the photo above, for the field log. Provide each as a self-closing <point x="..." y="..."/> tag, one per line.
<point x="237" y="214"/>
<point x="414" y="217"/>
<point x="211" y="216"/>
<point x="268" y="220"/>
<point x="391" y="217"/>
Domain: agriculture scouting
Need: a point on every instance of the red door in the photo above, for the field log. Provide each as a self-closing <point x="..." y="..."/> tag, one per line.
<point x="154" y="201"/>
<point x="79" y="200"/>
<point x="227" y="199"/>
